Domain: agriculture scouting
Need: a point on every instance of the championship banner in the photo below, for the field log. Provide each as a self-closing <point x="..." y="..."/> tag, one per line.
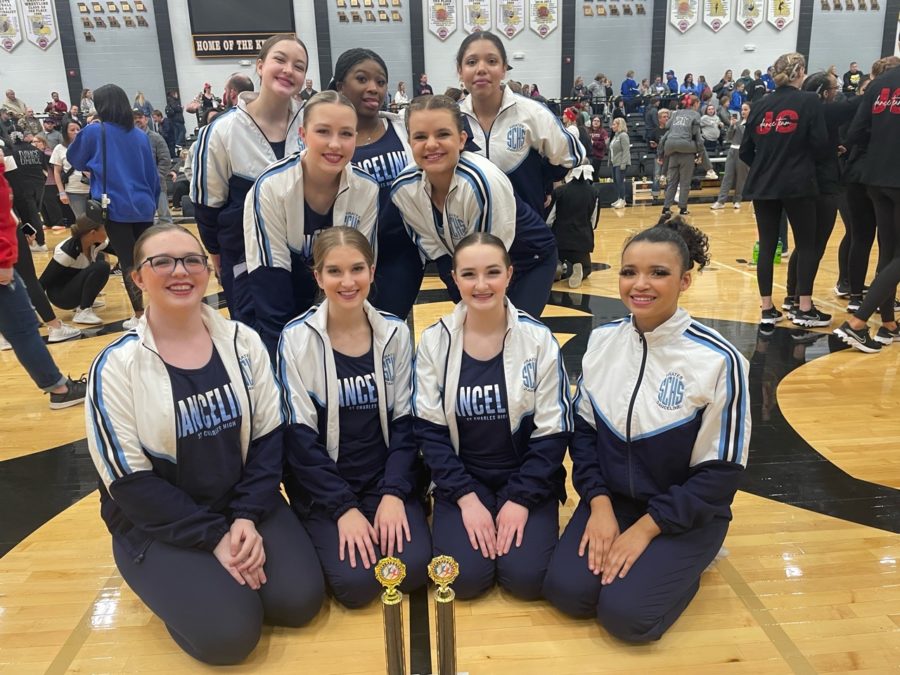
<point x="684" y="14"/>
<point x="749" y="13"/>
<point x="780" y="13"/>
<point x="510" y="17"/>
<point x="716" y="13"/>
<point x="10" y="33"/>
<point x="543" y="18"/>
<point x="476" y="15"/>
<point x="39" y="21"/>
<point x="442" y="18"/>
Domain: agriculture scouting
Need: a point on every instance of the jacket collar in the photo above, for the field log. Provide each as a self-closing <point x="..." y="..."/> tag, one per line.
<point x="425" y="184"/>
<point x="319" y="319"/>
<point x="507" y="101"/>
<point x="668" y="331"/>
<point x="218" y="326"/>
<point x="246" y="97"/>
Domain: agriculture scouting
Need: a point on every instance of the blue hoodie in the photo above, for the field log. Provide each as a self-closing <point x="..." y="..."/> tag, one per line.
<point x="132" y="179"/>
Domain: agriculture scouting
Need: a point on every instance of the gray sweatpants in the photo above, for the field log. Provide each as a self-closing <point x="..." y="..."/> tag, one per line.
<point x="678" y="175"/>
<point x="735" y="175"/>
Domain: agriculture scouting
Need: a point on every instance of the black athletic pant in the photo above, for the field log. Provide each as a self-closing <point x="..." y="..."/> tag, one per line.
<point x="122" y="237"/>
<point x="801" y="213"/>
<point x="844" y="247"/>
<point x="210" y="615"/>
<point x="861" y="225"/>
<point x="27" y="204"/>
<point x="82" y="289"/>
<point x="884" y="287"/>
<point x="826" y="214"/>
<point x="25" y="267"/>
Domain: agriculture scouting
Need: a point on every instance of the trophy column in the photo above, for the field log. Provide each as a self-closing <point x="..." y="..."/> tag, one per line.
<point x="390" y="572"/>
<point x="443" y="571"/>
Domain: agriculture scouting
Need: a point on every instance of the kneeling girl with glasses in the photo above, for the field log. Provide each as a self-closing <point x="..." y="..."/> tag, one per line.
<point x="185" y="428"/>
<point x="346" y="372"/>
<point x="493" y="418"/>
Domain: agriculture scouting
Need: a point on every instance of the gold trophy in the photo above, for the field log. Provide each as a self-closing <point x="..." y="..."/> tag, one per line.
<point x="443" y="571"/>
<point x="390" y="573"/>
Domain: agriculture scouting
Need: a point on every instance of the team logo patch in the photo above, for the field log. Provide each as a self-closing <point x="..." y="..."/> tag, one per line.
<point x="457" y="227"/>
<point x="351" y="220"/>
<point x="388" y="365"/>
<point x="515" y="137"/>
<point x="529" y="374"/>
<point x="246" y="369"/>
<point x="671" y="392"/>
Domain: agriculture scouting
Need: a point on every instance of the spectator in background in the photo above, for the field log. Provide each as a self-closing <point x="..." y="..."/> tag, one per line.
<point x="175" y="115"/>
<point x="237" y="84"/>
<point x="143" y="104"/>
<point x="73" y="114"/>
<point x="18" y="325"/>
<point x="737" y="97"/>
<point x="204" y="102"/>
<point x="703" y="89"/>
<point x="27" y="182"/>
<point x="653" y="142"/>
<point x="618" y="110"/>
<point x="307" y="92"/>
<point x="526" y="91"/>
<point x="423" y="88"/>
<point x="658" y="88"/>
<point x="72" y="185"/>
<point x="644" y="87"/>
<point x="52" y="213"/>
<point x="87" y="103"/>
<point x="7" y="125"/>
<point x="596" y="88"/>
<point x="725" y="85"/>
<point x="722" y="109"/>
<point x="599" y="142"/>
<point x="51" y="133"/>
<point x="688" y="86"/>
<point x="852" y="79"/>
<point x="164" y="128"/>
<point x="758" y="89"/>
<point x="400" y="96"/>
<point x="768" y="79"/>
<point x="163" y="161"/>
<point x="745" y="78"/>
<point x="710" y="129"/>
<point x="15" y="106"/>
<point x="651" y="119"/>
<point x="672" y="81"/>
<point x="579" y="91"/>
<point x="56" y="108"/>
<point x="620" y="158"/>
<point x="629" y="90"/>
<point x="574" y="212"/>
<point x="29" y="124"/>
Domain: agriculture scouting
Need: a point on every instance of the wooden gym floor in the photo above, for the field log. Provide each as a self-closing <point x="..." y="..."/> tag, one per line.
<point x="810" y="583"/>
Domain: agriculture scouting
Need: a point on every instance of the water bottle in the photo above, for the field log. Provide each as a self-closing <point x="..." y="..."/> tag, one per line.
<point x="756" y="253"/>
<point x="778" y="253"/>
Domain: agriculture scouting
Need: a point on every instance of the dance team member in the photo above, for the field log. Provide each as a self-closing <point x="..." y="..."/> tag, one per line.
<point x="293" y="201"/>
<point x="232" y="152"/>
<point x="662" y="429"/>
<point x="518" y="134"/>
<point x="784" y="138"/>
<point x="493" y="419"/>
<point x="383" y="151"/>
<point x="185" y="429"/>
<point x="450" y="193"/>
<point x="346" y="371"/>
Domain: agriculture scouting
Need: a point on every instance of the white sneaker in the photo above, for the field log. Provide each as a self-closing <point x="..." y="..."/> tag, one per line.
<point x="38" y="248"/>
<point x="711" y="175"/>
<point x="577" y="276"/>
<point x="129" y="324"/>
<point x="98" y="303"/>
<point x="87" y="316"/>
<point x="63" y="333"/>
<point x="619" y="204"/>
<point x="737" y="205"/>
<point x="4" y="344"/>
<point x="716" y="206"/>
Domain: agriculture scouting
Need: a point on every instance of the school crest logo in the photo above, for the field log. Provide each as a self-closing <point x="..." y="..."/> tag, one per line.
<point x="246" y="370"/>
<point x="351" y="220"/>
<point x="671" y="392"/>
<point x="515" y="137"/>
<point x="387" y="365"/>
<point x="529" y="374"/>
<point x="457" y="226"/>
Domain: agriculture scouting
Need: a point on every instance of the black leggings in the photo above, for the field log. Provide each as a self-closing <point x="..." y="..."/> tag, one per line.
<point x="122" y="237"/>
<point x="826" y="214"/>
<point x="884" y="287"/>
<point x="861" y="226"/>
<point x="27" y="204"/>
<point x="801" y="213"/>
<point x="25" y="267"/>
<point x="82" y="289"/>
<point x="210" y="615"/>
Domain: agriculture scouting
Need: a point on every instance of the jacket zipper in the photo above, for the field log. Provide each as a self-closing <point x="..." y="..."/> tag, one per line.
<point x="634" y="394"/>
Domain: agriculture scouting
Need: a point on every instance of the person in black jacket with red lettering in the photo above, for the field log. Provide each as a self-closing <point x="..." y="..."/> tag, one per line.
<point x="877" y="124"/>
<point x="785" y="138"/>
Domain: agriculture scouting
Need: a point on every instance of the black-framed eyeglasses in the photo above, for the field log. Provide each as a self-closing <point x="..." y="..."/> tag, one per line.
<point x="193" y="263"/>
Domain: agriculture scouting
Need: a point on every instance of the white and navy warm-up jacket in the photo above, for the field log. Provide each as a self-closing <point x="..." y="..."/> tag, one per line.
<point x="132" y="427"/>
<point x="524" y="134"/>
<point x="662" y="419"/>
<point x="279" y="252"/>
<point x="480" y="199"/>
<point x="308" y="375"/>
<point x="540" y="410"/>
<point x="229" y="155"/>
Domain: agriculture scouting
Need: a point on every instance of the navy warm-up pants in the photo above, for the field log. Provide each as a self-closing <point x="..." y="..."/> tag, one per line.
<point x="209" y="614"/>
<point x="357" y="587"/>
<point x="654" y="593"/>
<point x="398" y="274"/>
<point x="521" y="571"/>
<point x="237" y="288"/>
<point x="529" y="288"/>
